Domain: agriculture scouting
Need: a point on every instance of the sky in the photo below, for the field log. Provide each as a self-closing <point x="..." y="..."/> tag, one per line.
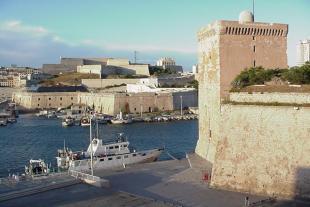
<point x="34" y="32"/>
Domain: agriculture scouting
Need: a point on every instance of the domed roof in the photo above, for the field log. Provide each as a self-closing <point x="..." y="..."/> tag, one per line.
<point x="246" y="17"/>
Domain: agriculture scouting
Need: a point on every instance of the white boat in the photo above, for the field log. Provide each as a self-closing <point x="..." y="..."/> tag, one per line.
<point x="85" y="121"/>
<point x="121" y="120"/>
<point x="105" y="156"/>
<point x="36" y="168"/>
<point x="42" y="113"/>
<point x="68" y="122"/>
<point x="100" y="119"/>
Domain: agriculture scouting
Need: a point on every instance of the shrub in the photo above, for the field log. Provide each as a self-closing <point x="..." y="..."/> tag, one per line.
<point x="259" y="75"/>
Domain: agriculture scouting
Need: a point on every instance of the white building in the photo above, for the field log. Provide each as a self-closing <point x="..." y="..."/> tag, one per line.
<point x="195" y="68"/>
<point x="303" y="52"/>
<point x="165" y="61"/>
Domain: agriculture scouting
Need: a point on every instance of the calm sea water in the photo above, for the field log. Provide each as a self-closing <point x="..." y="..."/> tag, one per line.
<point x="33" y="138"/>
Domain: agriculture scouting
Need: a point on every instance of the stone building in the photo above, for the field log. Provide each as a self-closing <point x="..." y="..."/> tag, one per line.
<point x="167" y="62"/>
<point x="257" y="143"/>
<point x="45" y="100"/>
<point x="225" y="49"/>
<point x="109" y="103"/>
<point x="101" y="66"/>
<point x="303" y="52"/>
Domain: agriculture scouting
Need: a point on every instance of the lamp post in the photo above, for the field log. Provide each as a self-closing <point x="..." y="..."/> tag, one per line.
<point x="181" y="105"/>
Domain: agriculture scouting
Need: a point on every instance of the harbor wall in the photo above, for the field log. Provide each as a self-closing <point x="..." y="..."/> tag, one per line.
<point x="45" y="100"/>
<point x="108" y="103"/>
<point x="263" y="150"/>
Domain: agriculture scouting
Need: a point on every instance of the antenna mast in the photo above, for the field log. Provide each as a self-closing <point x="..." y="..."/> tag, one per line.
<point x="135" y="52"/>
<point x="253" y="9"/>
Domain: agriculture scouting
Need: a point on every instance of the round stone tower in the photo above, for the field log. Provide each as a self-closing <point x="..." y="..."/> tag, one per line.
<point x="246" y="17"/>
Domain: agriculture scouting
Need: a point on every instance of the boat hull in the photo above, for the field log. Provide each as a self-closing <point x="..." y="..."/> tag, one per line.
<point x="115" y="161"/>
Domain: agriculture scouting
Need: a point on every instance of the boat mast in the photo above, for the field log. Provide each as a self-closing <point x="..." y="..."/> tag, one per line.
<point x="97" y="128"/>
<point x="64" y="145"/>
<point x="91" y="147"/>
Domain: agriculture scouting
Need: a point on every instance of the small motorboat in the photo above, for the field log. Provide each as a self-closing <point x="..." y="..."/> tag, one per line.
<point x="36" y="168"/>
<point x="85" y="121"/>
<point x="69" y="121"/>
<point x="12" y="119"/>
<point x="119" y="119"/>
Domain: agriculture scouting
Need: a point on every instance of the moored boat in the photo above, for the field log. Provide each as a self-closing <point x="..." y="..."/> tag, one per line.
<point x="105" y="155"/>
<point x="119" y="119"/>
<point x="36" y="168"/>
<point x="69" y="121"/>
<point x="85" y="121"/>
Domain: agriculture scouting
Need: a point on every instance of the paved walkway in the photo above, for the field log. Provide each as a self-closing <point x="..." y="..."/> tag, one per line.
<point x="165" y="183"/>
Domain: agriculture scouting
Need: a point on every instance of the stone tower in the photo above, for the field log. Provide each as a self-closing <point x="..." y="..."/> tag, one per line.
<point x="225" y="49"/>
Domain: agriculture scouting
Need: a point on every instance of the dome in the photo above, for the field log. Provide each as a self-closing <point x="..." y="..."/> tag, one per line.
<point x="246" y="17"/>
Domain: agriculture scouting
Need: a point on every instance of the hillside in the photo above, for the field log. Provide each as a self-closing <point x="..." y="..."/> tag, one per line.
<point x="70" y="78"/>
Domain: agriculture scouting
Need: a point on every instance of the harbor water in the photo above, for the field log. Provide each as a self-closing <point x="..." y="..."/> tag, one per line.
<point x="39" y="138"/>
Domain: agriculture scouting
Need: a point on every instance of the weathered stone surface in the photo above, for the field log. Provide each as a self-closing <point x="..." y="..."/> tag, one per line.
<point x="264" y="150"/>
<point x="253" y="148"/>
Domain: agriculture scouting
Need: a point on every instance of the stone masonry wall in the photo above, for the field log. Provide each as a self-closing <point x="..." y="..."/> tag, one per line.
<point x="264" y="150"/>
<point x="209" y="91"/>
<point x="297" y="98"/>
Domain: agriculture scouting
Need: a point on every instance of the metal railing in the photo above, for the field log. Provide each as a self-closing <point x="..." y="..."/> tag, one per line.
<point x="83" y="176"/>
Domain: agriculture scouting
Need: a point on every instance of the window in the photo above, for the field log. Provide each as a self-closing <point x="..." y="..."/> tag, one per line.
<point x="253" y="37"/>
<point x="254" y="63"/>
<point x="125" y="145"/>
<point x="71" y="98"/>
<point x="60" y="104"/>
<point x="126" y="156"/>
<point x="116" y="147"/>
<point x="134" y="155"/>
<point x="118" y="157"/>
<point x="49" y="98"/>
<point x="143" y="154"/>
<point x="49" y="104"/>
<point x="38" y="104"/>
<point x="135" y="109"/>
<point x="254" y="49"/>
<point x="111" y="147"/>
<point x="61" y="98"/>
<point x="38" y="99"/>
<point x="102" y="159"/>
<point x="110" y="158"/>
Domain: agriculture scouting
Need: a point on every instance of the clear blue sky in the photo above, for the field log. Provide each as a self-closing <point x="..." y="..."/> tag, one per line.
<point x="33" y="32"/>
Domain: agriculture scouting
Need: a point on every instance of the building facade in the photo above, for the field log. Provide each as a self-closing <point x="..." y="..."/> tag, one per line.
<point x="225" y="49"/>
<point x="169" y="63"/>
<point x="257" y="143"/>
<point x="109" y="103"/>
<point x="303" y="52"/>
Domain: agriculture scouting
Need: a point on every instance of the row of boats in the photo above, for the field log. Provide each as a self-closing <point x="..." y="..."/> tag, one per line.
<point x="97" y="117"/>
<point x="9" y="115"/>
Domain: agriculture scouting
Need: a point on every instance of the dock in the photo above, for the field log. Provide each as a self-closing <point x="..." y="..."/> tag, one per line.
<point x="160" y="184"/>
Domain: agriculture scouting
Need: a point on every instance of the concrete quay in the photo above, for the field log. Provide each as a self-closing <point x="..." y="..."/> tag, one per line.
<point x="165" y="183"/>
